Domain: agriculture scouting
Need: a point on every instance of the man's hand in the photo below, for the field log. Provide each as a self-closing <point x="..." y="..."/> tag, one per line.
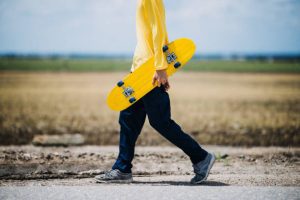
<point x="160" y="77"/>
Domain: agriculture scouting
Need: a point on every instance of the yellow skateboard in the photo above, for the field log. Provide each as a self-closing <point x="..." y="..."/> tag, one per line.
<point x="138" y="83"/>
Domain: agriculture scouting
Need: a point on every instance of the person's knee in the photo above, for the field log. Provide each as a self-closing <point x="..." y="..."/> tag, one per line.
<point x="125" y="117"/>
<point x="160" y="124"/>
<point x="122" y="120"/>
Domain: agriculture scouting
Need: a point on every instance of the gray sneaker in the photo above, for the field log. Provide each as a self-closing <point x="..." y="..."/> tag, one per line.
<point x="114" y="176"/>
<point x="202" y="169"/>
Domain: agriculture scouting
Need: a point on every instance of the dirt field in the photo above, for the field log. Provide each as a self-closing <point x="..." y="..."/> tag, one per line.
<point x="29" y="165"/>
<point x="216" y="108"/>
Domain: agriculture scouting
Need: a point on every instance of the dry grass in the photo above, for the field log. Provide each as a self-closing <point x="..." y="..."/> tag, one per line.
<point x="216" y="108"/>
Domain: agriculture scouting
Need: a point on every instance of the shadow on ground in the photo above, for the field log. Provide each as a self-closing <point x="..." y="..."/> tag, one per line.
<point x="180" y="183"/>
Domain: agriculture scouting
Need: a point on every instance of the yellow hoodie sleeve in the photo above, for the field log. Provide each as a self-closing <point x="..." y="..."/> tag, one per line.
<point x="156" y="19"/>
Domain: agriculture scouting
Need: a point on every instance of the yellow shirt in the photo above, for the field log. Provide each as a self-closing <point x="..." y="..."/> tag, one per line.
<point x="151" y="34"/>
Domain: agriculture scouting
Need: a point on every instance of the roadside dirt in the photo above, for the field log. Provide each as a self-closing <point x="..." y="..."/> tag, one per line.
<point x="30" y="165"/>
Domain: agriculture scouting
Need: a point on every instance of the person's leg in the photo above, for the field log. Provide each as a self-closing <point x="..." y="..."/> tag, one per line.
<point x="157" y="106"/>
<point x="131" y="121"/>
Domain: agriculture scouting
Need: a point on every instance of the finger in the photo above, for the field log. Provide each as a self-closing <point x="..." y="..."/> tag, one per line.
<point x="167" y="80"/>
<point x="158" y="82"/>
<point x="153" y="80"/>
<point x="167" y="86"/>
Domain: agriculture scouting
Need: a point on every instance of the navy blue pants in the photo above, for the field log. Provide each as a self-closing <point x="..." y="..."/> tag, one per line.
<point x="156" y="105"/>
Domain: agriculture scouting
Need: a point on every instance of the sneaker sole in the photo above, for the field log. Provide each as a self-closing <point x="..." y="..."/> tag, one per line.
<point x="113" y="181"/>
<point x="211" y="163"/>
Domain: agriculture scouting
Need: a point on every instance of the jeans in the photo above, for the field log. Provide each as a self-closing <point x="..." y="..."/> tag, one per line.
<point x="156" y="105"/>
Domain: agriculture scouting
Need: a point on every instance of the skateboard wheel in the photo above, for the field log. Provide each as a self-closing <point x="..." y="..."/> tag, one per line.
<point x="165" y="48"/>
<point x="177" y="65"/>
<point x="120" y="83"/>
<point x="132" y="100"/>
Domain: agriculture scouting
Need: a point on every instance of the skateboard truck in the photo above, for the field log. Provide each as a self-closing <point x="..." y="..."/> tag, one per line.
<point x="127" y="91"/>
<point x="171" y="57"/>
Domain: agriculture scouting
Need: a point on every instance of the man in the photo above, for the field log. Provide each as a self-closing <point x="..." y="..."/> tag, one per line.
<point x="152" y="36"/>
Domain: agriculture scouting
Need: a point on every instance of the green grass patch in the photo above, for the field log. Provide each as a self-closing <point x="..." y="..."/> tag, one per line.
<point x="243" y="66"/>
<point x="77" y="65"/>
<point x="99" y="65"/>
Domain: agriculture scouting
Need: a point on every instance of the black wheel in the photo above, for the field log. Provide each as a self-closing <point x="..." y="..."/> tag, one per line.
<point x="177" y="65"/>
<point x="165" y="48"/>
<point x="132" y="100"/>
<point x="120" y="83"/>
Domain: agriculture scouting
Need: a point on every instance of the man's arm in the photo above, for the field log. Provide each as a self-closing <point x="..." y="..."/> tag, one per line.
<point x="159" y="38"/>
<point x="159" y="35"/>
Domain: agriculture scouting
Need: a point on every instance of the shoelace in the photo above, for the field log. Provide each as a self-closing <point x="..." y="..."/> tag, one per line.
<point x="110" y="174"/>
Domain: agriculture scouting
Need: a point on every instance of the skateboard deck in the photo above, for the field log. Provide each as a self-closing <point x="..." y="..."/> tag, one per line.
<point x="138" y="83"/>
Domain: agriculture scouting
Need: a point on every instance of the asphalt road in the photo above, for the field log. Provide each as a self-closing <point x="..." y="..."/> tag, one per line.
<point x="142" y="192"/>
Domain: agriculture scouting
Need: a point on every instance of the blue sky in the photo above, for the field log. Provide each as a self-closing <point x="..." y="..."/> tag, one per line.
<point x="108" y="26"/>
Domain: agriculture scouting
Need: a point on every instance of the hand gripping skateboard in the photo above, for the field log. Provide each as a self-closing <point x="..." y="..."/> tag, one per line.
<point x="138" y="83"/>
